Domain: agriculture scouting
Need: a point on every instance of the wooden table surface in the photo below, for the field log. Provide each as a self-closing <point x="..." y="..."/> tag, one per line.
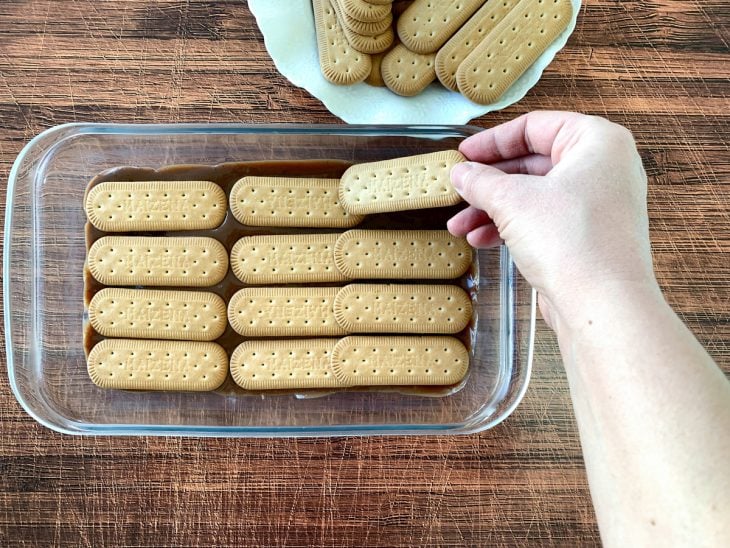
<point x="658" y="66"/>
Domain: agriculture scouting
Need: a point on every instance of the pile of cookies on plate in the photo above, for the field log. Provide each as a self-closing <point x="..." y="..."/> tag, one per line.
<point x="476" y="47"/>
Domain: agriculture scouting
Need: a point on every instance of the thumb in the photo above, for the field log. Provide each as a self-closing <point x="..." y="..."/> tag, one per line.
<point x="478" y="183"/>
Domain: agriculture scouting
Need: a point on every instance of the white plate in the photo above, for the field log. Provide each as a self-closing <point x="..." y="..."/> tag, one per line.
<point x="288" y="29"/>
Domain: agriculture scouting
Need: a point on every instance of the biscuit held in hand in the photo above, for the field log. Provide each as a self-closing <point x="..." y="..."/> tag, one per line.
<point x="567" y="194"/>
<point x="414" y="182"/>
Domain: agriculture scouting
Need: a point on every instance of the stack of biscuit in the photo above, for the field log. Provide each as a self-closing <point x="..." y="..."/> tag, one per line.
<point x="348" y="32"/>
<point x="367" y="24"/>
<point x="328" y="310"/>
<point x="476" y="47"/>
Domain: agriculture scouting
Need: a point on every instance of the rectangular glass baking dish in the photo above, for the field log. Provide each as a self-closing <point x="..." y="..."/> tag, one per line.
<point x="43" y="293"/>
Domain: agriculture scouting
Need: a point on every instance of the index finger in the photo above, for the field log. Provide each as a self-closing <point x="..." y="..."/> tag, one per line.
<point x="532" y="133"/>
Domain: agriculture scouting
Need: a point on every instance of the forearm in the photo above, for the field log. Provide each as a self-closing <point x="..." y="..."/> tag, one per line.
<point x="567" y="194"/>
<point x="653" y="412"/>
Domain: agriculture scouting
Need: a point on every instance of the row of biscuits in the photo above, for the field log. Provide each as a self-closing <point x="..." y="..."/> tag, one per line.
<point x="267" y="312"/>
<point x="476" y="47"/>
<point x="201" y="261"/>
<point x="414" y="182"/>
<point x="280" y="364"/>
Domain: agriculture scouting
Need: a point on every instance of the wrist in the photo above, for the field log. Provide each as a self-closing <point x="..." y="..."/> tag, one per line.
<point x="588" y="310"/>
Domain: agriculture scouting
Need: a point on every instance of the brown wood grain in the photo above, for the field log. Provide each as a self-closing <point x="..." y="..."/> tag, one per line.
<point x="658" y="66"/>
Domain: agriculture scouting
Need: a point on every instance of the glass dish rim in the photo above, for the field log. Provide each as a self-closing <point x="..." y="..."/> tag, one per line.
<point x="465" y="427"/>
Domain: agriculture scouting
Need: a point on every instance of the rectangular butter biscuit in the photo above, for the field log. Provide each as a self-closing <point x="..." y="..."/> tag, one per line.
<point x="401" y="254"/>
<point x="339" y="62"/>
<point x="396" y="308"/>
<point x="284" y="364"/>
<point x="284" y="312"/>
<point x="399" y="360"/>
<point x="300" y="258"/>
<point x="131" y="364"/>
<point x="158" y="314"/>
<point x="461" y="44"/>
<point x="150" y="206"/>
<point x="158" y="261"/>
<point x="511" y="48"/>
<point x="413" y="182"/>
<point x="290" y="202"/>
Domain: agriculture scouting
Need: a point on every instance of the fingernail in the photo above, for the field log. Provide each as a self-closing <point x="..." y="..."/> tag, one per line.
<point x="458" y="172"/>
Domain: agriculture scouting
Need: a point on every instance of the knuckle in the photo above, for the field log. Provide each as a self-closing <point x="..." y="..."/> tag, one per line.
<point x="612" y="129"/>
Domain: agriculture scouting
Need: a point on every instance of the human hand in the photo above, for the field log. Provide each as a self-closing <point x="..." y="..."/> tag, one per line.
<point x="567" y="195"/>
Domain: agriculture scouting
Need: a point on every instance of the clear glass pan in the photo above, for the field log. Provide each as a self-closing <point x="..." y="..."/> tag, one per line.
<point x="43" y="293"/>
